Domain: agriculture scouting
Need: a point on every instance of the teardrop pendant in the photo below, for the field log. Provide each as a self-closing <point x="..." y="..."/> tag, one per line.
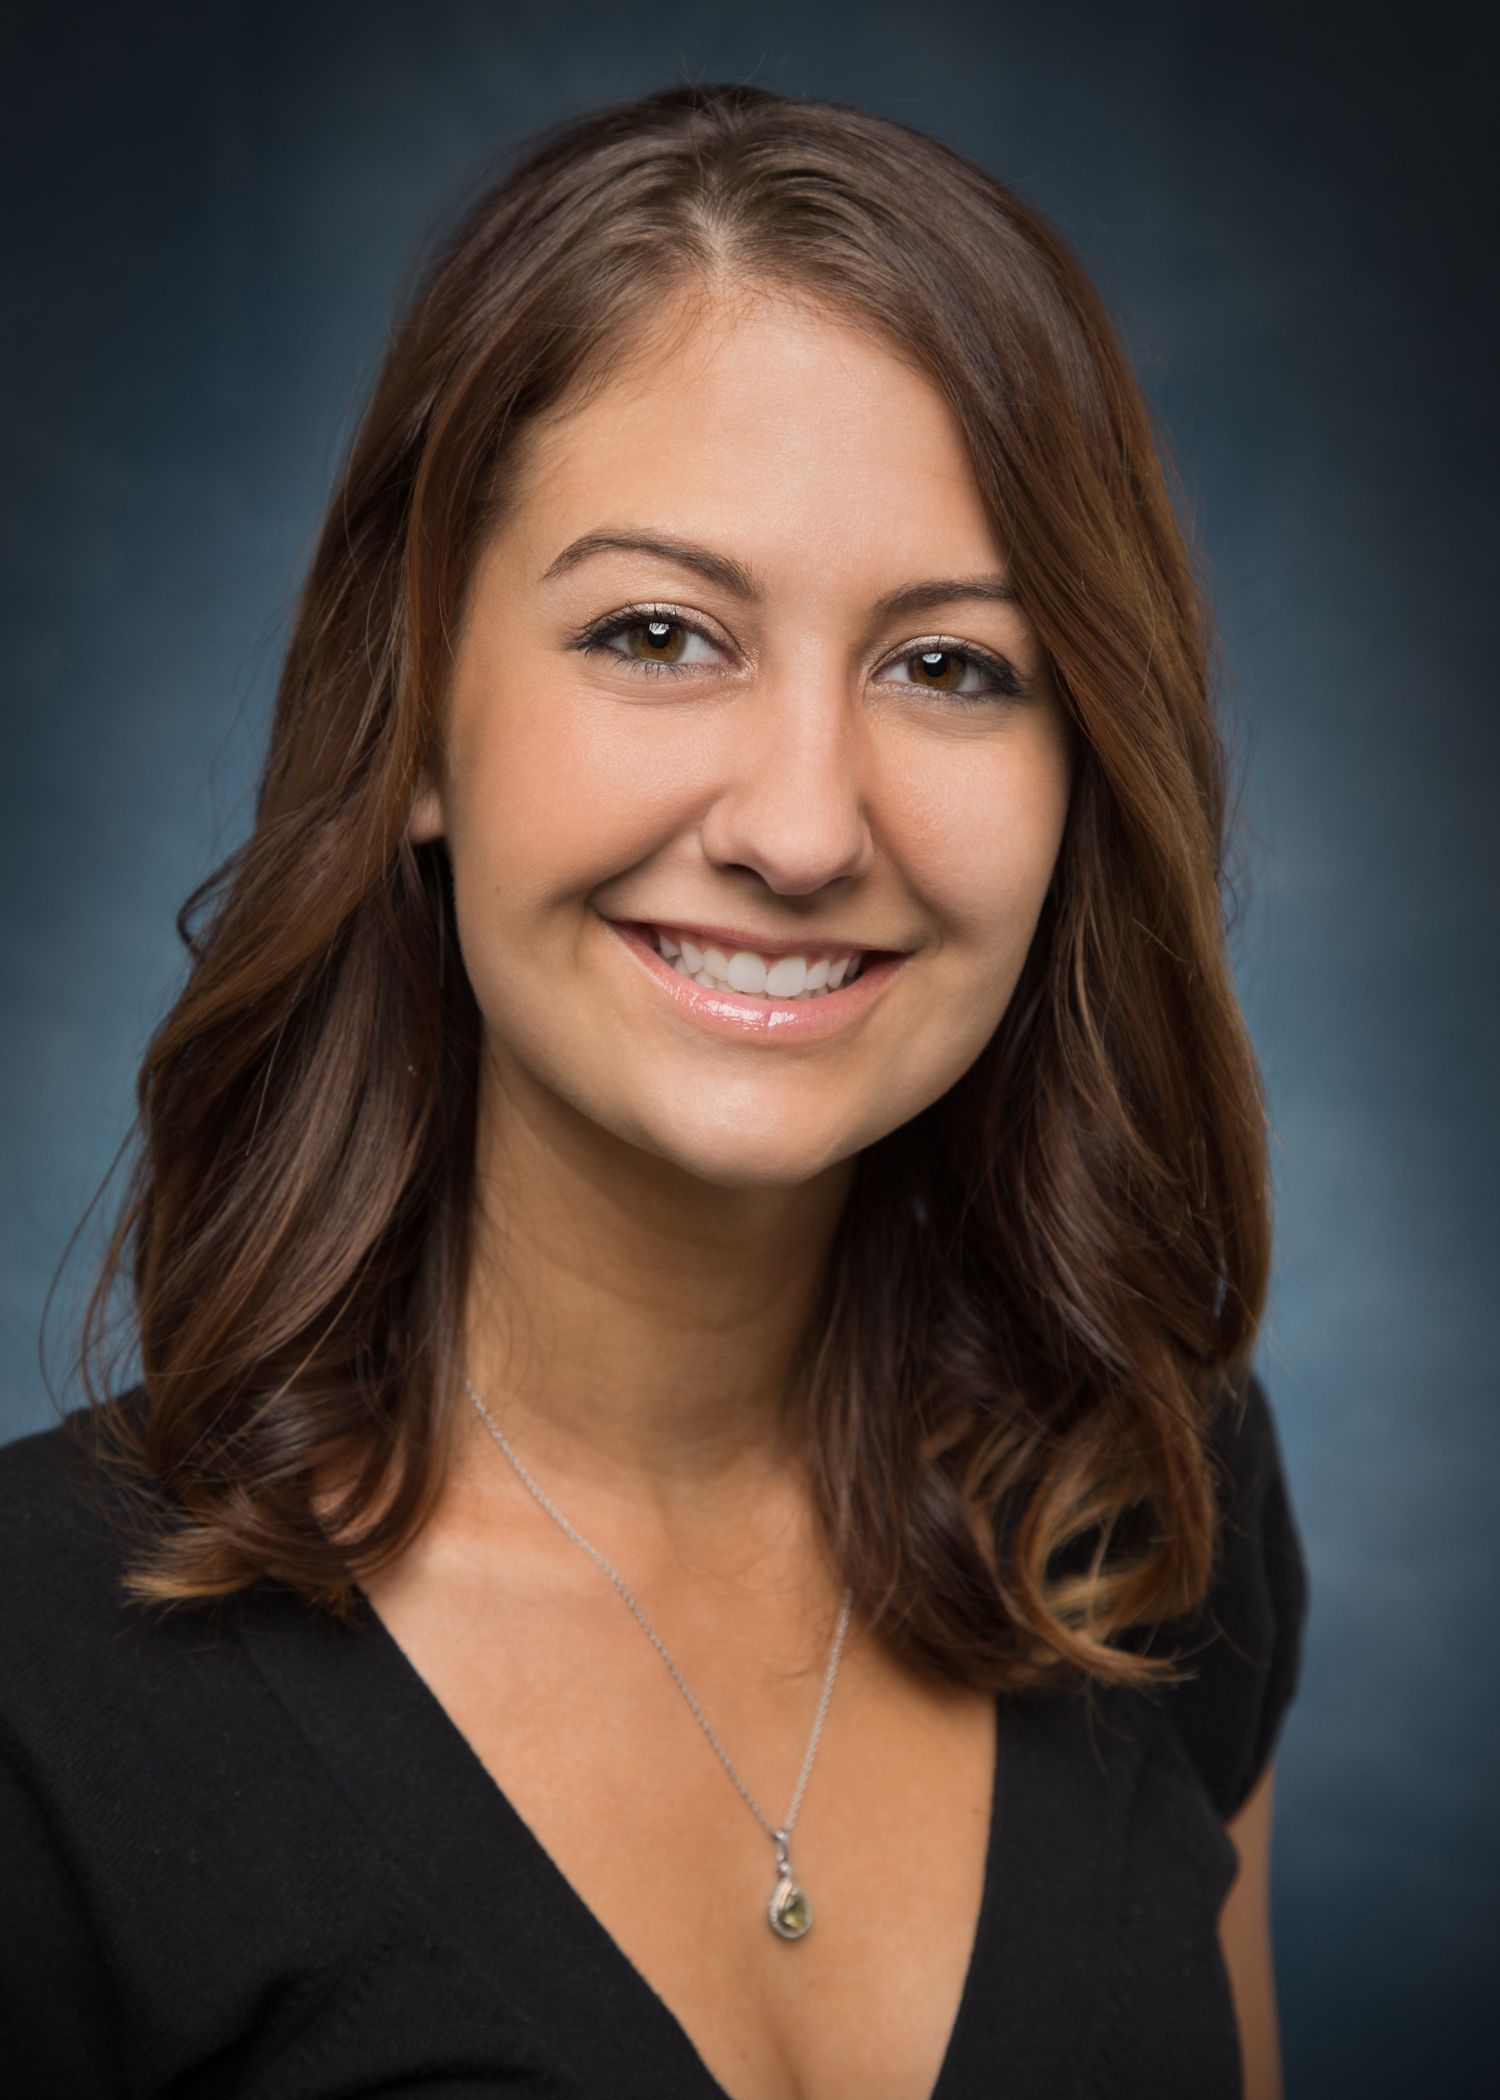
<point x="789" y="1910"/>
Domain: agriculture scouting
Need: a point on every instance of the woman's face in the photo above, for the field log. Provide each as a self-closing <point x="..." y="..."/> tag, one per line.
<point x="684" y="697"/>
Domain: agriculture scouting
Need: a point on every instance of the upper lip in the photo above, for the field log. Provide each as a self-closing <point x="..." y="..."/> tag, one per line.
<point x="731" y="938"/>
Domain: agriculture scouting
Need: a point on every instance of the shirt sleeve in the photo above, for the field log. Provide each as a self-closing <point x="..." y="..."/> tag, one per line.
<point x="56" y="2015"/>
<point x="1244" y="1643"/>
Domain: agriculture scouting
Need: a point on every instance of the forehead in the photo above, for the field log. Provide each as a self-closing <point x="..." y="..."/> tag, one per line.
<point x="765" y="418"/>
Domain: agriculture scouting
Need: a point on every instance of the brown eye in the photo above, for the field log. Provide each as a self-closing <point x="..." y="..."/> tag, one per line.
<point x="657" y="637"/>
<point x="942" y="669"/>
<point x="652" y="641"/>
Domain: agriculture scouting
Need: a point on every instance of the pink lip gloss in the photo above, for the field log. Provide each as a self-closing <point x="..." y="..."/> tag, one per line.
<point x="742" y="1016"/>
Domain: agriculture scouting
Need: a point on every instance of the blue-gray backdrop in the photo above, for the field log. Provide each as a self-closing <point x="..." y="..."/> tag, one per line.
<point x="206" y="213"/>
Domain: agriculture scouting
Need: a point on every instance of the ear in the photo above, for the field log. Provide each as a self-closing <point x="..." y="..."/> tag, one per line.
<point x="425" y="819"/>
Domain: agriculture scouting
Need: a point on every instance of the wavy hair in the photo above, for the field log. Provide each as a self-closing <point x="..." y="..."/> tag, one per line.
<point x="1045" y="1287"/>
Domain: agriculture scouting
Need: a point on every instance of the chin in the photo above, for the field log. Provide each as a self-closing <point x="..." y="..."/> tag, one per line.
<point x="746" y="1157"/>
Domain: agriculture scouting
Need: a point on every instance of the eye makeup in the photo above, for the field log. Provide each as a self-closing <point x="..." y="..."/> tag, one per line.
<point x="940" y="652"/>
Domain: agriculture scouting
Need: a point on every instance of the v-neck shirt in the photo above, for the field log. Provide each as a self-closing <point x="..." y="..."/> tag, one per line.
<point x="246" y="1851"/>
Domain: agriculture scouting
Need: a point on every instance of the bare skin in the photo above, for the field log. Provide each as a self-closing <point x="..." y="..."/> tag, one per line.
<point x="1245" y="1937"/>
<point x="657" y="1203"/>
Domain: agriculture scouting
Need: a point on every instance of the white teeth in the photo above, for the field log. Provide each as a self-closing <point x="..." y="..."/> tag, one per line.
<point x="784" y="977"/>
<point x="746" y="972"/>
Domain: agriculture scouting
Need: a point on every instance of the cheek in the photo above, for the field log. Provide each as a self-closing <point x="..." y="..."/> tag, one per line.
<point x="556" y="795"/>
<point x="981" y="839"/>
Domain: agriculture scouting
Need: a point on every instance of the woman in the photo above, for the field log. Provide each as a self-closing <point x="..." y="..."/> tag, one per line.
<point x="713" y="1094"/>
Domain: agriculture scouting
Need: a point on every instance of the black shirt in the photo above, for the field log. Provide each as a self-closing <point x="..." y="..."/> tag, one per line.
<point x="244" y="1851"/>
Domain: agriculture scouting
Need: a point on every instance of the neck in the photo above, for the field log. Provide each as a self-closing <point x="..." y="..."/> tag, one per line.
<point x="629" y="1326"/>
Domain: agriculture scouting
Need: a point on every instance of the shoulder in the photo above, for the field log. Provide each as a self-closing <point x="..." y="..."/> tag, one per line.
<point x="73" y="1705"/>
<point x="55" y="1539"/>
<point x="72" y="1643"/>
<point x="1244" y="1643"/>
<point x="59" y="1512"/>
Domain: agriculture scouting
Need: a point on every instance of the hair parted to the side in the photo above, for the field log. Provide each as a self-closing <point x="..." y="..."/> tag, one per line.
<point x="1047" y="1286"/>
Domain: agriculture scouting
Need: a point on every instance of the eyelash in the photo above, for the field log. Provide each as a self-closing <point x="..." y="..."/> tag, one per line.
<point x="595" y="639"/>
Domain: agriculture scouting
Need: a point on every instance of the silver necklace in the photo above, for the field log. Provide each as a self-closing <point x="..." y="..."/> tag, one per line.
<point x="789" y="1910"/>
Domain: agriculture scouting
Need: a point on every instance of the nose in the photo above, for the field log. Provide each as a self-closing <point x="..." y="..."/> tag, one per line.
<point x="794" y="794"/>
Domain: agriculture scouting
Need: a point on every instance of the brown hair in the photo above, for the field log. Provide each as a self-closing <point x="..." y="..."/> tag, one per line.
<point x="1046" y="1285"/>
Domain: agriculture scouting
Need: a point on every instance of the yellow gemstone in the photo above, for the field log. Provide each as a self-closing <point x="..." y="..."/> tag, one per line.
<point x="793" y="1913"/>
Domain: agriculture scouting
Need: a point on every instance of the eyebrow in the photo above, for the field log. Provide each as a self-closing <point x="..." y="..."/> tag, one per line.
<point x="740" y="582"/>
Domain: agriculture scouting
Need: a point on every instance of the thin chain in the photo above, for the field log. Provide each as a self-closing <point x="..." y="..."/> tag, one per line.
<point x="784" y="1833"/>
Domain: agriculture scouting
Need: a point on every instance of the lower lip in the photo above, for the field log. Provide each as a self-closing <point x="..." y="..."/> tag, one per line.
<point x="767" y="1020"/>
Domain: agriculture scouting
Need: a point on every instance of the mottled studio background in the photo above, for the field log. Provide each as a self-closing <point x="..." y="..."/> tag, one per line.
<point x="205" y="214"/>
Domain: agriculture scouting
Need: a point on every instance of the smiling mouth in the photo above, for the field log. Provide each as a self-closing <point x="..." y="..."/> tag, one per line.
<point x="773" y="1013"/>
<point x="751" y="973"/>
